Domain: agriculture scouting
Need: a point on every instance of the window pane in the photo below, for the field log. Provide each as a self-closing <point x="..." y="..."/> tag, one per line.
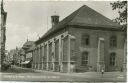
<point x="112" y="59"/>
<point x="84" y="60"/>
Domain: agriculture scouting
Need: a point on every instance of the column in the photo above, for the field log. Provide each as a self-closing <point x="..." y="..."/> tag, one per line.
<point x="47" y="68"/>
<point x="39" y="57"/>
<point x="60" y="63"/>
<point x="42" y="55"/>
<point x="32" y="59"/>
<point x="45" y="56"/>
<point x="125" y="56"/>
<point x="36" y="57"/>
<point x="53" y="58"/>
<point x="61" y="68"/>
<point x="100" y="57"/>
<point x="68" y="54"/>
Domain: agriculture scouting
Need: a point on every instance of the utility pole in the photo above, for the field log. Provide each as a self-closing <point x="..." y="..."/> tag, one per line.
<point x="3" y="17"/>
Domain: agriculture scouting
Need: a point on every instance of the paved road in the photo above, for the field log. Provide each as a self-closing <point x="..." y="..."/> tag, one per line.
<point x="40" y="76"/>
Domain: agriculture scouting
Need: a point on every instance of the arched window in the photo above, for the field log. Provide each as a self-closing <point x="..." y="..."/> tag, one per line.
<point x="113" y="41"/>
<point x="112" y="59"/>
<point x="85" y="39"/>
<point x="84" y="59"/>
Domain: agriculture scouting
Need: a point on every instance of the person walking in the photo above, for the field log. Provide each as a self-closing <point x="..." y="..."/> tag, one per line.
<point x="102" y="72"/>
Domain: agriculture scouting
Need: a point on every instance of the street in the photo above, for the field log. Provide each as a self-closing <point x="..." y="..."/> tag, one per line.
<point x="24" y="74"/>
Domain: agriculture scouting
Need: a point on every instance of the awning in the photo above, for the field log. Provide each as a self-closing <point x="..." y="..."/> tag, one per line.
<point x="26" y="62"/>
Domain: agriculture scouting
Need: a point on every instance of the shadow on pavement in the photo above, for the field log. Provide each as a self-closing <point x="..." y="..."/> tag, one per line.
<point x="19" y="70"/>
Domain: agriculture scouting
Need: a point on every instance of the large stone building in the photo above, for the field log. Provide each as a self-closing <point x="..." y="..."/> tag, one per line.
<point x="83" y="41"/>
<point x="3" y="17"/>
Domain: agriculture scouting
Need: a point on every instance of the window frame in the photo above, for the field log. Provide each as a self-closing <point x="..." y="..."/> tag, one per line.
<point x="85" y="62"/>
<point x="85" y="39"/>
<point x="113" y="41"/>
<point x="112" y="59"/>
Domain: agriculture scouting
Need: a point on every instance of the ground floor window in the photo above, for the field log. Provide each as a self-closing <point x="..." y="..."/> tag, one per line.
<point x="112" y="59"/>
<point x="84" y="59"/>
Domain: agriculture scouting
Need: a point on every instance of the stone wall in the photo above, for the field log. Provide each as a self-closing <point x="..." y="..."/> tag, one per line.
<point x="92" y="48"/>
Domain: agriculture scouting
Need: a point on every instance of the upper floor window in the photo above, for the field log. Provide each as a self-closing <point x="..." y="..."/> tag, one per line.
<point x="112" y="59"/>
<point x="84" y="58"/>
<point x="85" y="39"/>
<point x="113" y="41"/>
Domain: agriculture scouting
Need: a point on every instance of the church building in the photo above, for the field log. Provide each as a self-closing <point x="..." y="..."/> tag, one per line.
<point x="83" y="41"/>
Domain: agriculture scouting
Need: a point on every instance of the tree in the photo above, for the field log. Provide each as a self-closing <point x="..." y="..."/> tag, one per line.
<point x="121" y="7"/>
<point x="122" y="19"/>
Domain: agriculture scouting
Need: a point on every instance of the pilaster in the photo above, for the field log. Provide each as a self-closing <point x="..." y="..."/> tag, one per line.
<point x="100" y="57"/>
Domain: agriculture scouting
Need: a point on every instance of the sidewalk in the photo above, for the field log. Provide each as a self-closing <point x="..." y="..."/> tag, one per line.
<point x="28" y="74"/>
<point x="19" y="70"/>
<point x="90" y="74"/>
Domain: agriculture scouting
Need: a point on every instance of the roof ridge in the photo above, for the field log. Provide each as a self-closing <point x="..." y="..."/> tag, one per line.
<point x="77" y="11"/>
<point x="100" y="14"/>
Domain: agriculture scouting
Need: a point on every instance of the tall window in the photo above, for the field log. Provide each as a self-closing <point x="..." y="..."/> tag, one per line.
<point x="113" y="41"/>
<point x="85" y="39"/>
<point x="84" y="58"/>
<point x="112" y="59"/>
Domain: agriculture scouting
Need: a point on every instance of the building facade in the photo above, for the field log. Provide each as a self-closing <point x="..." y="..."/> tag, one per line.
<point x="3" y="17"/>
<point x="83" y="41"/>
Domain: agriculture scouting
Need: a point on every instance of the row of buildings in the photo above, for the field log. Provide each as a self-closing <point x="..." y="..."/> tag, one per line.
<point x="83" y="41"/>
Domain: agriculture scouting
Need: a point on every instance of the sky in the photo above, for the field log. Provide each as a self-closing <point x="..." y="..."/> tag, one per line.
<point x="31" y="19"/>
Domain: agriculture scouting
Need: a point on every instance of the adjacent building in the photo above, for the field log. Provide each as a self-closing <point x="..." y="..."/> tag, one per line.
<point x="83" y="41"/>
<point x="27" y="48"/>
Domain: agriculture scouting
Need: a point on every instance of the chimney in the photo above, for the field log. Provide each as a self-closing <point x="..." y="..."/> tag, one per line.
<point x="54" y="20"/>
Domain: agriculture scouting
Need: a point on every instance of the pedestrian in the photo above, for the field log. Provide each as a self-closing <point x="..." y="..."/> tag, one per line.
<point x="102" y="72"/>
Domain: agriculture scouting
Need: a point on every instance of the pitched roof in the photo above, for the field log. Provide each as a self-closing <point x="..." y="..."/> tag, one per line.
<point x="27" y="44"/>
<point x="89" y="17"/>
<point x="84" y="16"/>
<point x="31" y="48"/>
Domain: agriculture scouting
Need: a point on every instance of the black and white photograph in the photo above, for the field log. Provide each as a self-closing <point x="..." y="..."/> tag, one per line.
<point x="63" y="41"/>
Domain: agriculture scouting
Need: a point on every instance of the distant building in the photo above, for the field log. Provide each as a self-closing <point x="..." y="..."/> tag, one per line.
<point x="3" y="17"/>
<point x="27" y="48"/>
<point x="83" y="41"/>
